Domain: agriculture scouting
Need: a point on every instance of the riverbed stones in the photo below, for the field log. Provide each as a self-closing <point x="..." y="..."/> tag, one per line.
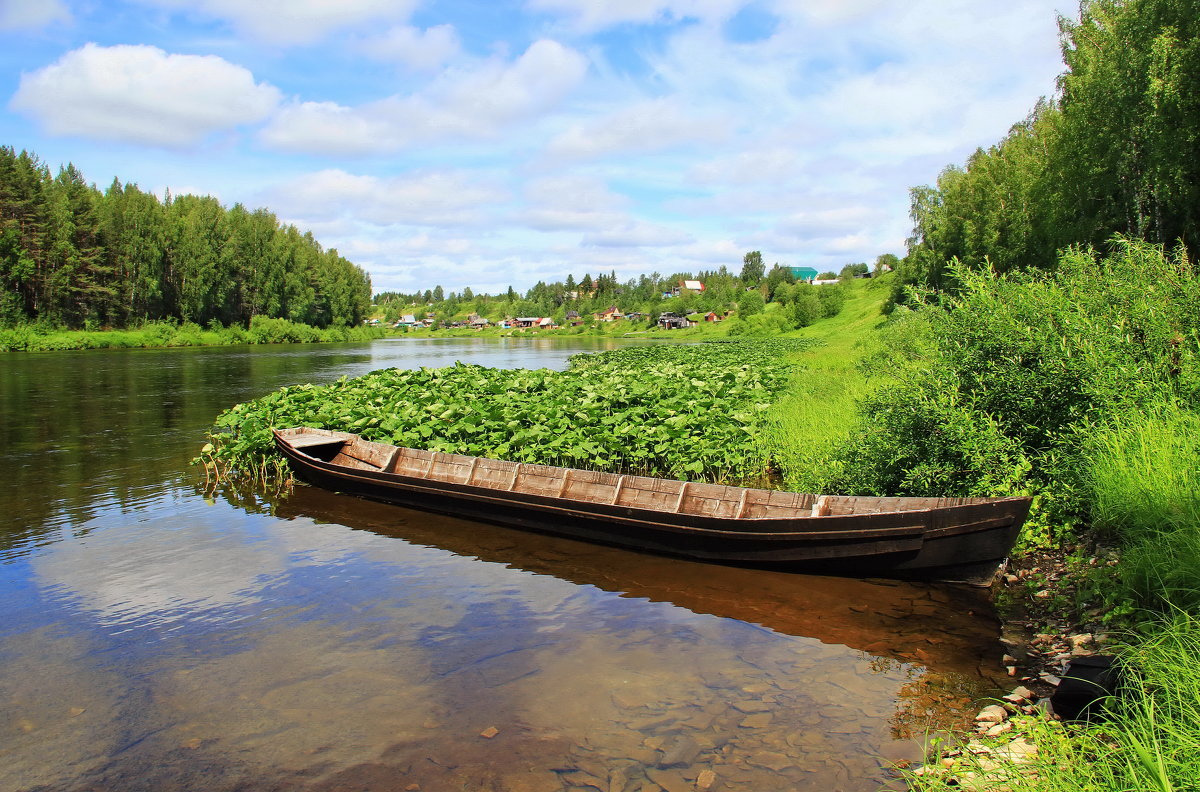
<point x="706" y="780"/>
<point x="1020" y="695"/>
<point x="998" y="729"/>
<point x="772" y="760"/>
<point x="669" y="780"/>
<point x="625" y="699"/>
<point x="759" y="720"/>
<point x="752" y="706"/>
<point x="993" y="713"/>
<point x="680" y="753"/>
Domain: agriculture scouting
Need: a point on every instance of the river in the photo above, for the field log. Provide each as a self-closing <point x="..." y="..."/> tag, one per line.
<point x="159" y="636"/>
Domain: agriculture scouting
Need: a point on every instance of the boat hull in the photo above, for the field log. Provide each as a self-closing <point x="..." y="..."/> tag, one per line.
<point x="957" y="543"/>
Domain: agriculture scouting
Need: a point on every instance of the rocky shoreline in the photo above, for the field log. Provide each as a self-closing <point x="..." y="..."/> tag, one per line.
<point x="1043" y="630"/>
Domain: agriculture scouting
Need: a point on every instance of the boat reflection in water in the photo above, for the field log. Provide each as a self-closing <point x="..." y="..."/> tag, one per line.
<point x="776" y="678"/>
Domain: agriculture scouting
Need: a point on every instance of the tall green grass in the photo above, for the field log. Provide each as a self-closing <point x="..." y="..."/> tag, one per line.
<point x="1143" y="474"/>
<point x="821" y="407"/>
<point x="1141" y="479"/>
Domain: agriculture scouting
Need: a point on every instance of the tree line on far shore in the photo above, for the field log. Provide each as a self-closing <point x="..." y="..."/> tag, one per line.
<point x="73" y="256"/>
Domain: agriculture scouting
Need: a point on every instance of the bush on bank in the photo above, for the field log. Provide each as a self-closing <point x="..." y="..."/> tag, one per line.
<point x="1005" y="387"/>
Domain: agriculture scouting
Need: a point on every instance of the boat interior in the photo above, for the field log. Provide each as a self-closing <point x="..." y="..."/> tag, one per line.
<point x="589" y="486"/>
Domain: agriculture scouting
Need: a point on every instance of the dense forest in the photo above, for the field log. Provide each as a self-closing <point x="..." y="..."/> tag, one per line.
<point x="73" y="256"/>
<point x="1114" y="153"/>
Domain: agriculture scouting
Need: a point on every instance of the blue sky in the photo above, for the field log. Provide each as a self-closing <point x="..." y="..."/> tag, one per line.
<point x="483" y="144"/>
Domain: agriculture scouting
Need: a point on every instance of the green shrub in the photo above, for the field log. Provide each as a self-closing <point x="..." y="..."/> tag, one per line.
<point x="910" y="441"/>
<point x="806" y="306"/>
<point x="750" y="303"/>
<point x="1039" y="363"/>
<point x="832" y="298"/>
<point x="1101" y="336"/>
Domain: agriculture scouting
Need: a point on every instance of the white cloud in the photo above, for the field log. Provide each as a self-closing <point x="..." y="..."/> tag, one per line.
<point x="32" y="14"/>
<point x="461" y="104"/>
<point x="647" y="126"/>
<point x="638" y="233"/>
<point x="572" y="203"/>
<point x="435" y="198"/>
<point x="331" y="129"/>
<point x="768" y="164"/>
<point x="847" y="244"/>
<point x="835" y="221"/>
<point x="424" y="50"/>
<point x="293" y="21"/>
<point x="714" y="252"/>
<point x="825" y="13"/>
<point x="141" y="94"/>
<point x="592" y="15"/>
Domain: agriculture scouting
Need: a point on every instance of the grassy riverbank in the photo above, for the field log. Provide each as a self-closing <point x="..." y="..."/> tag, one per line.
<point x="262" y="330"/>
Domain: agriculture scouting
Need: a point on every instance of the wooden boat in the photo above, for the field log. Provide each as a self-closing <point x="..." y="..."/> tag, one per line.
<point x="948" y="539"/>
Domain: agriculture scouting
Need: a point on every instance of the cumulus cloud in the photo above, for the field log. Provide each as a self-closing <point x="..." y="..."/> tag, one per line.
<point x="591" y="15"/>
<point x="469" y="104"/>
<point x="292" y="21"/>
<point x="646" y="126"/>
<point x="637" y="233"/>
<point x="32" y="14"/>
<point x="423" y="50"/>
<point x="433" y="198"/>
<point x="142" y="94"/>
<point x="572" y="202"/>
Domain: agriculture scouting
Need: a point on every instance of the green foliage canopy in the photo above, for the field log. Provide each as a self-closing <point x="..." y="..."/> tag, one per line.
<point x="73" y="256"/>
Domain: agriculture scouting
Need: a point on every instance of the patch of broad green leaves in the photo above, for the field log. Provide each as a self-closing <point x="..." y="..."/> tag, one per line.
<point x="687" y="411"/>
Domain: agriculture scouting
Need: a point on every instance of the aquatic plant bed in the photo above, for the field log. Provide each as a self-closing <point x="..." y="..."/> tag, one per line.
<point x="684" y="411"/>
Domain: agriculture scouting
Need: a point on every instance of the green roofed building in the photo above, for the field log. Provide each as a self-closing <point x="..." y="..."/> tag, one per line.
<point x="807" y="274"/>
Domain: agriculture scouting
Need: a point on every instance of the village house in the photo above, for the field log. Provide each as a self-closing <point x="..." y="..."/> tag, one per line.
<point x="573" y="318"/>
<point x="685" y="286"/>
<point x="526" y="321"/>
<point x="408" y="320"/>
<point x="612" y="314"/>
<point x="804" y="274"/>
<point x="673" y="321"/>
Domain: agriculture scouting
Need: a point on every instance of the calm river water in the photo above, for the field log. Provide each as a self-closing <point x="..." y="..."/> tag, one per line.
<point x="156" y="636"/>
